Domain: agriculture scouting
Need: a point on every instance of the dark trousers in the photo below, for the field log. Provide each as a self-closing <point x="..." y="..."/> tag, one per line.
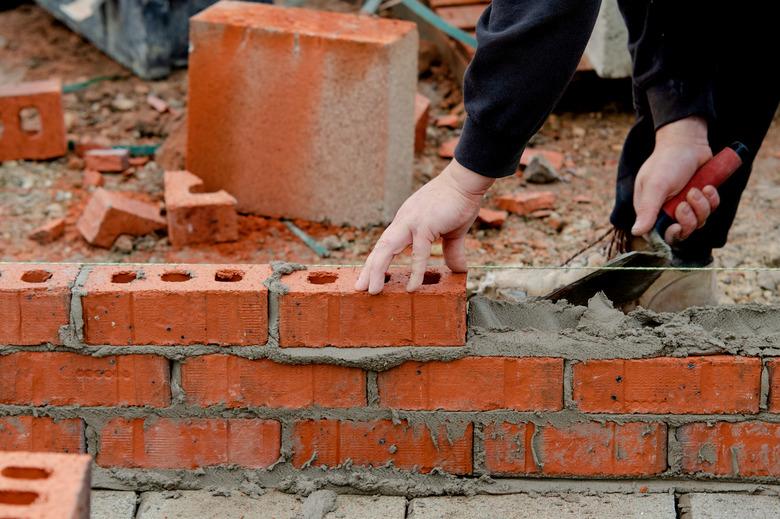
<point x="745" y="92"/>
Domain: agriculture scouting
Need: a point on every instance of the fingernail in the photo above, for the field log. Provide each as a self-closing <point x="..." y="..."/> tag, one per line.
<point x="635" y="229"/>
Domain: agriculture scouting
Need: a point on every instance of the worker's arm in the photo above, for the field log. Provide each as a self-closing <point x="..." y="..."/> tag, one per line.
<point x="671" y="45"/>
<point x="528" y="51"/>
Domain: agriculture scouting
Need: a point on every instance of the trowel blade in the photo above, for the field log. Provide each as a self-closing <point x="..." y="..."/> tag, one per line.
<point x="620" y="286"/>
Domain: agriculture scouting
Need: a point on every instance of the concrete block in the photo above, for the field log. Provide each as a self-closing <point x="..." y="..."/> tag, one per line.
<point x="729" y="506"/>
<point x="302" y="113"/>
<point x="32" y="122"/>
<point x="524" y="506"/>
<point x="204" y="505"/>
<point x="196" y="217"/>
<point x="112" y="504"/>
<point x="607" y="49"/>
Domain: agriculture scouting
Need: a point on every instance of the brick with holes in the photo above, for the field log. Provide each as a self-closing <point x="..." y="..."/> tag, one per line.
<point x="44" y="485"/>
<point x="176" y="305"/>
<point x="322" y="308"/>
<point x="34" y="302"/>
<point x="197" y="217"/>
<point x="32" y="121"/>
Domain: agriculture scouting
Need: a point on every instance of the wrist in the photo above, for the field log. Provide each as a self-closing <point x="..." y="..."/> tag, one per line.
<point x="470" y="182"/>
<point x="687" y="131"/>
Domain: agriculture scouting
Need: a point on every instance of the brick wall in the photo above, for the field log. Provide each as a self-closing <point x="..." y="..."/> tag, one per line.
<point x="236" y="367"/>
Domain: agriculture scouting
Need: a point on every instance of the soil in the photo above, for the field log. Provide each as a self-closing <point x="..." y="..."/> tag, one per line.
<point x="33" y="45"/>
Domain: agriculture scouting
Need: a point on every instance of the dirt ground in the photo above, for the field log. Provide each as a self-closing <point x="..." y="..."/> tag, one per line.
<point x="33" y="45"/>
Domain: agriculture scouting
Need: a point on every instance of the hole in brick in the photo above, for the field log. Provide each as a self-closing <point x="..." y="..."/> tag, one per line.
<point x="30" y="120"/>
<point x="431" y="278"/>
<point x="25" y="473"/>
<point x="123" y="277"/>
<point x="36" y="276"/>
<point x="322" y="278"/>
<point x="176" y="277"/>
<point x="17" y="497"/>
<point x="387" y="277"/>
<point x="228" y="276"/>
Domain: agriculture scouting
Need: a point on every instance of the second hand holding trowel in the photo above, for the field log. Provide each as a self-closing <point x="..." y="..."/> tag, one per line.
<point x="626" y="277"/>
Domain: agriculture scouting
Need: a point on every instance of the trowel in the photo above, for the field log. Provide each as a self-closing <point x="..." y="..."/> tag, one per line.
<point x="626" y="277"/>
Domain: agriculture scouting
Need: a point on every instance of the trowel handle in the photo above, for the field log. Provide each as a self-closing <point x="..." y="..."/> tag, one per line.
<point x="713" y="173"/>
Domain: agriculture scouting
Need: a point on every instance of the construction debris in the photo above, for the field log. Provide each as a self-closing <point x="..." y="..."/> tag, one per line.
<point x="49" y="232"/>
<point x="92" y="178"/>
<point x="109" y="214"/>
<point x="196" y="217"/>
<point x="555" y="158"/>
<point x="107" y="160"/>
<point x="491" y="217"/>
<point x="422" y="107"/>
<point x="540" y="171"/>
<point x="32" y="122"/>
<point x="447" y="148"/>
<point x="526" y="202"/>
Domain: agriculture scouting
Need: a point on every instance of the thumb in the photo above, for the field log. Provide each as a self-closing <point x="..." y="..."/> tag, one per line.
<point x="455" y="253"/>
<point x="648" y="200"/>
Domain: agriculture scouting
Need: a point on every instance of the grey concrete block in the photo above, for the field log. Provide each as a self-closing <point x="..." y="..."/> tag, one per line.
<point x="729" y="506"/>
<point x="563" y="506"/>
<point x="112" y="504"/>
<point x="272" y="505"/>
<point x="607" y="49"/>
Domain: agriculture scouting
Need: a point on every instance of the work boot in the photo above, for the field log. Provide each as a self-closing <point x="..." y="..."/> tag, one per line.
<point x="676" y="290"/>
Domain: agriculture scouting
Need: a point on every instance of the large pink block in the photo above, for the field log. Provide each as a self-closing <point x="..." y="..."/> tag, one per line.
<point x="301" y="113"/>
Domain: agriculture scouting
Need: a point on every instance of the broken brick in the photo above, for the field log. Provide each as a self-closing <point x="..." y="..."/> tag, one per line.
<point x="196" y="217"/>
<point x="157" y="103"/>
<point x="32" y="121"/>
<point x="92" y="178"/>
<point x="450" y="121"/>
<point x="109" y="161"/>
<point x="526" y="202"/>
<point x="138" y="162"/>
<point x="555" y="158"/>
<point x="49" y="232"/>
<point x="462" y="16"/>
<point x="108" y="214"/>
<point x="491" y="217"/>
<point x="422" y="107"/>
<point x="447" y="148"/>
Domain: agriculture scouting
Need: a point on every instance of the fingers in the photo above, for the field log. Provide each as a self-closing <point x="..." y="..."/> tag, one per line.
<point x="672" y="233"/>
<point x="372" y="276"/>
<point x="686" y="219"/>
<point x="712" y="195"/>
<point x="421" y="251"/>
<point x="693" y="213"/>
<point x="700" y="205"/>
<point x="455" y="253"/>
<point x="648" y="199"/>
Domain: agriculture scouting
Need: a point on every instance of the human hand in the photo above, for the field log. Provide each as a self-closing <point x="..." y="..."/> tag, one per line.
<point x="444" y="208"/>
<point x="681" y="148"/>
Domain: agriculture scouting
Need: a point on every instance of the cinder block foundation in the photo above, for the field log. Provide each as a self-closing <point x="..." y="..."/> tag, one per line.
<point x="303" y="114"/>
<point x="154" y="377"/>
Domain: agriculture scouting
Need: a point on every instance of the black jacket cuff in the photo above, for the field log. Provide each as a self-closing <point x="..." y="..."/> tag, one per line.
<point x="674" y="99"/>
<point x="488" y="153"/>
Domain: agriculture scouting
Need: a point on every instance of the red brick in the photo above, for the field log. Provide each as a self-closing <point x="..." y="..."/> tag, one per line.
<point x="449" y="120"/>
<point x="44" y="485"/>
<point x="107" y="160"/>
<point x="774" y="385"/>
<point x="582" y="449"/>
<point x="322" y="308"/>
<point x="462" y="16"/>
<point x="696" y="385"/>
<point x="49" y="232"/>
<point x="176" y="305"/>
<point x="743" y="449"/>
<point x="41" y="434"/>
<point x="17" y="142"/>
<point x="475" y="384"/>
<point x="92" y="178"/>
<point x="526" y="202"/>
<point x="407" y="446"/>
<point x="447" y="148"/>
<point x="109" y="214"/>
<point x="238" y="382"/>
<point x="61" y="378"/>
<point x="34" y="302"/>
<point x="491" y="217"/>
<point x="555" y="158"/>
<point x="166" y="443"/>
<point x="336" y="98"/>
<point x="422" y="108"/>
<point x="196" y="217"/>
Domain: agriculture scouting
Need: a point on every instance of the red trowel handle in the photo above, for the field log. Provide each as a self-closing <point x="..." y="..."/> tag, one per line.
<point x="713" y="173"/>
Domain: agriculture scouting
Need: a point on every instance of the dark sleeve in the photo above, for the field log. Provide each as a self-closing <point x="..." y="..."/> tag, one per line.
<point x="674" y="56"/>
<point x="527" y="53"/>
